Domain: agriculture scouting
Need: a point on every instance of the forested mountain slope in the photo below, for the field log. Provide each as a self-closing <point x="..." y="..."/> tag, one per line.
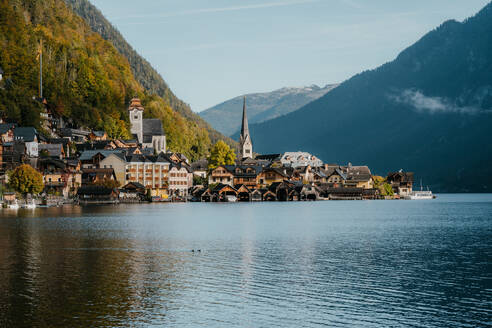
<point x="428" y="111"/>
<point x="86" y="79"/>
<point x="143" y="71"/>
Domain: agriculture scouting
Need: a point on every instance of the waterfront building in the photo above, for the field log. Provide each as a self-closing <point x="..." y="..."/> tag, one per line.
<point x="221" y="174"/>
<point x="245" y="143"/>
<point x="95" y="176"/>
<point x="402" y="182"/>
<point x="60" y="177"/>
<point x="357" y="177"/>
<point x="244" y="174"/>
<point x="148" y="132"/>
<point x="180" y="179"/>
<point x="271" y="175"/>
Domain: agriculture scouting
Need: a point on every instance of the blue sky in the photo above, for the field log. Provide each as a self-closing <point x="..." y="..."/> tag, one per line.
<point x="211" y="50"/>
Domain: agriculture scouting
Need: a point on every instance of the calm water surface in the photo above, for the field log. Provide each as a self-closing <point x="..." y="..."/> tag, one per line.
<point x="336" y="264"/>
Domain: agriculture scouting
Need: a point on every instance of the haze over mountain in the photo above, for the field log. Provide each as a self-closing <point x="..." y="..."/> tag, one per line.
<point x="226" y="117"/>
<point x="428" y="111"/>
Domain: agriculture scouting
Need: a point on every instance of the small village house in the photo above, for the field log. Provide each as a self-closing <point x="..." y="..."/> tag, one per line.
<point x="221" y="174"/>
<point x="401" y="182"/>
<point x="30" y="137"/>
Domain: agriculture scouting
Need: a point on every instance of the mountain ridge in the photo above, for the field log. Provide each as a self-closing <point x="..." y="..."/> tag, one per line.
<point x="262" y="106"/>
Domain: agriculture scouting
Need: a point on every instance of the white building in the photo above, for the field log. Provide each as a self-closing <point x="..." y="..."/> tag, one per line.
<point x="148" y="132"/>
<point x="299" y="158"/>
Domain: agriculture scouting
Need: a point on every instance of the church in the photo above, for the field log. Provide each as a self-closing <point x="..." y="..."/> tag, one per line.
<point x="245" y="144"/>
<point x="149" y="131"/>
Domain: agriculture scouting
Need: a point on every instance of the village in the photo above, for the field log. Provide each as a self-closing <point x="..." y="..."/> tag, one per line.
<point x="82" y="166"/>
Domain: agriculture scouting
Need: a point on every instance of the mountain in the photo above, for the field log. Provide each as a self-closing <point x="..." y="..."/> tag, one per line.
<point x="86" y="79"/>
<point x="144" y="73"/>
<point x="226" y="117"/>
<point x="428" y="111"/>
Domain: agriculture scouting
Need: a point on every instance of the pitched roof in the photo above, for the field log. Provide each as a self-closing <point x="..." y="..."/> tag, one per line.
<point x="200" y="165"/>
<point x="27" y="134"/>
<point x="152" y="127"/>
<point x="358" y="173"/>
<point x="88" y="154"/>
<point x="99" y="133"/>
<point x="4" y="127"/>
<point x="54" y="150"/>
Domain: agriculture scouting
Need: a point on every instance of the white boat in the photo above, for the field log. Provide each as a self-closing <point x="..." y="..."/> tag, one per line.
<point x="421" y="194"/>
<point x="231" y="199"/>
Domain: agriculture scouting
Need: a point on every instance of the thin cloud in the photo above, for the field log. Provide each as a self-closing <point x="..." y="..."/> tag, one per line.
<point x="433" y="105"/>
<point x="221" y="9"/>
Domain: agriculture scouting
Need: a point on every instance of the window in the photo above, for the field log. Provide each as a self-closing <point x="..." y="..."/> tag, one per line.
<point x="248" y="151"/>
<point x="135" y="117"/>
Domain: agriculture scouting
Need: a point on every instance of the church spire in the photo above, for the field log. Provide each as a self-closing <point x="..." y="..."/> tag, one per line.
<point x="244" y="127"/>
<point x="245" y="139"/>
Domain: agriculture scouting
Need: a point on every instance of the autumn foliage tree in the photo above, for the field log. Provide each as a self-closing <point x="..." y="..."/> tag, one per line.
<point x="221" y="154"/>
<point x="26" y="180"/>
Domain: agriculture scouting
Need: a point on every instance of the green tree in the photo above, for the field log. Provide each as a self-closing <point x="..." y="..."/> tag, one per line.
<point x="25" y="179"/>
<point x="221" y="154"/>
<point x="108" y="183"/>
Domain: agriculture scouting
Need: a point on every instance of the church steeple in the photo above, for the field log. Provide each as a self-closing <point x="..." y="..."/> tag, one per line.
<point x="244" y="126"/>
<point x="245" y="138"/>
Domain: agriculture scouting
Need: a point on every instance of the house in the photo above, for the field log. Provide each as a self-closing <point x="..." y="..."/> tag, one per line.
<point x="358" y="177"/>
<point x="221" y="174"/>
<point x="180" y="179"/>
<point x="221" y="191"/>
<point x="132" y="192"/>
<point x="97" y="195"/>
<point x="402" y="182"/>
<point x="150" y="171"/>
<point x="51" y="150"/>
<point x="281" y="190"/>
<point x="335" y="176"/>
<point x="244" y="175"/>
<point x="148" y="132"/>
<point x="243" y="193"/>
<point x="97" y="176"/>
<point x="271" y="175"/>
<point x="76" y="135"/>
<point x="7" y="132"/>
<point x="200" y="168"/>
<point x="6" y="136"/>
<point x="30" y="137"/>
<point x="59" y="177"/>
<point x="98" y="136"/>
<point x="92" y="158"/>
<point x="116" y="161"/>
<point x="299" y="158"/>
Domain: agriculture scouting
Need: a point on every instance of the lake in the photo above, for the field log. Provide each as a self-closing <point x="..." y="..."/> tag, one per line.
<point x="298" y="264"/>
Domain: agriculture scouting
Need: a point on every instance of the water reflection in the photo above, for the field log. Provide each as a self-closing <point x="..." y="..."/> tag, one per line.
<point x="371" y="264"/>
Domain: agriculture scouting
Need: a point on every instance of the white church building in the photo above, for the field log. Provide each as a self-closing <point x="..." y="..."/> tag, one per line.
<point x="149" y="131"/>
